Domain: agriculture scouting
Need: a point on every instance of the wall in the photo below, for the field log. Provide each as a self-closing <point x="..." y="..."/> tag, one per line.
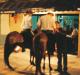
<point x="5" y="24"/>
<point x="4" y="27"/>
<point x="9" y="23"/>
<point x="15" y="22"/>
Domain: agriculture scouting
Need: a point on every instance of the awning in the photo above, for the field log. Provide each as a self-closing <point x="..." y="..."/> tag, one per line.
<point x="19" y="6"/>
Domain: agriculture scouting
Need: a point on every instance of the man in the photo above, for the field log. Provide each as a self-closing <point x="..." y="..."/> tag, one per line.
<point x="46" y="24"/>
<point x="61" y="49"/>
<point x="27" y="27"/>
<point x="27" y="32"/>
<point x="27" y="23"/>
<point x="73" y="38"/>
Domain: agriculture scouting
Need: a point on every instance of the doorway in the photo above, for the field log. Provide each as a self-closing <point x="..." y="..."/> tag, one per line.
<point x="67" y="22"/>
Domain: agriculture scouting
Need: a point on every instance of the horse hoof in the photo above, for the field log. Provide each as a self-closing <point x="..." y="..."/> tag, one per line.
<point x="12" y="69"/>
<point x="32" y="63"/>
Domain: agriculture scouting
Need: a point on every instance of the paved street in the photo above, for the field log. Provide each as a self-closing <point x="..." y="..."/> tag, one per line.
<point x="20" y="61"/>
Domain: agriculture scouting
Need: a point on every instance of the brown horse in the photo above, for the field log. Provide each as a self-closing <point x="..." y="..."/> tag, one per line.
<point x="40" y="46"/>
<point x="12" y="40"/>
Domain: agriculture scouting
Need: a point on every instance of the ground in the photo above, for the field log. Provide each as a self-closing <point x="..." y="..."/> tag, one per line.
<point x="20" y="61"/>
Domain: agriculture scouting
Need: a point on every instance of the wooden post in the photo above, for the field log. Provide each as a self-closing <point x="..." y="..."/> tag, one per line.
<point x="0" y="24"/>
<point x="79" y="38"/>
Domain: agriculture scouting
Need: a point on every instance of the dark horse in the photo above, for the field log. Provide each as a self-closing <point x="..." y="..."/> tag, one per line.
<point x="40" y="43"/>
<point x="12" y="40"/>
<point x="40" y="47"/>
<point x="23" y="39"/>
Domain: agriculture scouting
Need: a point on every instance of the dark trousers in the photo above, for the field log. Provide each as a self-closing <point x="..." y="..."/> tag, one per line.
<point x="61" y="51"/>
<point x="27" y="38"/>
<point x="62" y="54"/>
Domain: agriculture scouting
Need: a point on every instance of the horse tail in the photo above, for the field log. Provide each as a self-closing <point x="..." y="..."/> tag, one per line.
<point x="8" y="49"/>
<point x="7" y="52"/>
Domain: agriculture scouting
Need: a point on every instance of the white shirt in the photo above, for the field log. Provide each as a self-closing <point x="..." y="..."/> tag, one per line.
<point x="46" y="22"/>
<point x="27" y="22"/>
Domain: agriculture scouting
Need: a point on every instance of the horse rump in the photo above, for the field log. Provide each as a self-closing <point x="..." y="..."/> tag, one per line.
<point x="12" y="40"/>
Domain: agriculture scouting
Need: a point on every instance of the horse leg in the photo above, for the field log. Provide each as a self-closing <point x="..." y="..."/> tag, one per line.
<point x="38" y="64"/>
<point x="23" y="48"/>
<point x="32" y="58"/>
<point x="50" y="68"/>
<point x="21" y="45"/>
<point x="44" y="63"/>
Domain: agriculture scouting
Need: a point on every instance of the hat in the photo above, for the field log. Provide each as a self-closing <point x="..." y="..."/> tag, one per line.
<point x="50" y="12"/>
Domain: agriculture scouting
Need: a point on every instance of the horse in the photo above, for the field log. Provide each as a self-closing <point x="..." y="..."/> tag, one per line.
<point x="40" y="42"/>
<point x="40" y="47"/>
<point x="12" y="40"/>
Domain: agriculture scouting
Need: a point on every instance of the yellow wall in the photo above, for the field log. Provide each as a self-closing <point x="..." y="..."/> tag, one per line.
<point x="4" y="24"/>
<point x="4" y="27"/>
<point x="9" y="24"/>
<point x="15" y="22"/>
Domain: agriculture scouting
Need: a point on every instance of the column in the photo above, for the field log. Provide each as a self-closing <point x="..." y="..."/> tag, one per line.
<point x="79" y="38"/>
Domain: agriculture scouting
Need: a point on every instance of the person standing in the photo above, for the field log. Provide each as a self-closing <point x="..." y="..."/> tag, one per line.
<point x="61" y="49"/>
<point x="74" y="36"/>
